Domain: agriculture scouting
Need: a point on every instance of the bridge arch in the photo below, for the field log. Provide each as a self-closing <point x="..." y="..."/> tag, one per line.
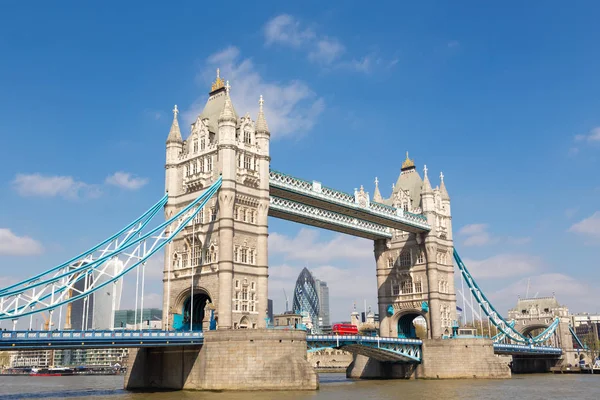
<point x="533" y="329"/>
<point x="188" y="310"/>
<point x="411" y="324"/>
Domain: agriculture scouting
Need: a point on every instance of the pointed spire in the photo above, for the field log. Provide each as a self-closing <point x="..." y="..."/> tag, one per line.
<point x="426" y="184"/>
<point x="443" y="190"/>
<point x="175" y="133"/>
<point x="261" y="122"/>
<point x="227" y="114"/>
<point x="376" y="194"/>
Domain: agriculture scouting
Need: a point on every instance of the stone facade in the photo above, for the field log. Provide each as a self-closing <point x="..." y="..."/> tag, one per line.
<point x="441" y="359"/>
<point x="228" y="360"/>
<point x="415" y="272"/>
<point x="224" y="250"/>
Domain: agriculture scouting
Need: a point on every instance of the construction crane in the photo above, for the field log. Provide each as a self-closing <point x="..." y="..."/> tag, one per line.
<point x="286" y="300"/>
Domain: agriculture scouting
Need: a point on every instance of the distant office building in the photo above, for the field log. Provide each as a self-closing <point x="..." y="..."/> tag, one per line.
<point x="270" y="310"/>
<point x="95" y="311"/>
<point x="312" y="296"/>
<point x="151" y="318"/>
<point x="306" y="298"/>
<point x="323" y="293"/>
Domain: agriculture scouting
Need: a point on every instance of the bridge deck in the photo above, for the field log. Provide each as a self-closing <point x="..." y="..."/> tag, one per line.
<point x="313" y="194"/>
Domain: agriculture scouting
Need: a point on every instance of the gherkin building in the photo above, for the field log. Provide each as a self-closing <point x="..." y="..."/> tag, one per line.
<point x="306" y="298"/>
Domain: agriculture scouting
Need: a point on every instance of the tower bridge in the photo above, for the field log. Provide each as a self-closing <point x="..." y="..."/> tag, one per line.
<point x="220" y="192"/>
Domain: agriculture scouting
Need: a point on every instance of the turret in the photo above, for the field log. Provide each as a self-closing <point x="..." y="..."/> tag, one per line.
<point x="227" y="121"/>
<point x="427" y="197"/>
<point x="263" y="135"/>
<point x="377" y="194"/>
<point x="174" y="149"/>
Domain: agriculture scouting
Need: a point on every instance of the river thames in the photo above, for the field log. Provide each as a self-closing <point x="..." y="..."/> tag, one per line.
<point x="333" y="386"/>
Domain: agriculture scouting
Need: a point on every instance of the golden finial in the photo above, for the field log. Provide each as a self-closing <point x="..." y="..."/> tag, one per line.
<point x="219" y="83"/>
<point x="408" y="163"/>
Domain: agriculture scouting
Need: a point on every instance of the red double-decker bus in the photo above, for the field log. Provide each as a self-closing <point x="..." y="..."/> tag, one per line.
<point x="344" y="329"/>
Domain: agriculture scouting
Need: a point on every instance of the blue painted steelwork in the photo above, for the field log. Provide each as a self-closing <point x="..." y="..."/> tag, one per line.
<point x="285" y="184"/>
<point x="380" y="348"/>
<point x="11" y="309"/>
<point x="143" y="219"/>
<point x="521" y="349"/>
<point x="500" y="323"/>
<point x="29" y="340"/>
<point x="583" y="347"/>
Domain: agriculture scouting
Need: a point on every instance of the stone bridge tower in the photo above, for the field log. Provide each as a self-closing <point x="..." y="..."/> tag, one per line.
<point x="221" y="257"/>
<point x="415" y="271"/>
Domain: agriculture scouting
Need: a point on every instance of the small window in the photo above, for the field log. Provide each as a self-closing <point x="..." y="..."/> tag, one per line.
<point x="247" y="137"/>
<point x="195" y="145"/>
<point x="390" y="262"/>
<point x="202" y="144"/>
<point x="237" y="283"/>
<point x="247" y="163"/>
<point x="253" y="286"/>
<point x="213" y="214"/>
<point x="405" y="259"/>
<point x="244" y="256"/>
<point x="395" y="290"/>
<point x="209" y="164"/>
<point x="421" y="258"/>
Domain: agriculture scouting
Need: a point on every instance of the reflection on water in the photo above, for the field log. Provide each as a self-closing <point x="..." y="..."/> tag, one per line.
<point x="333" y="386"/>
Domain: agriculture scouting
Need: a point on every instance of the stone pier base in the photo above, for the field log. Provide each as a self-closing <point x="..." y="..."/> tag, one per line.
<point x="440" y="359"/>
<point x="228" y="360"/>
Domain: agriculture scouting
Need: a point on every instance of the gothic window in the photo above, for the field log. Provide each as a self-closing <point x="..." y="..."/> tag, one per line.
<point x="405" y="206"/>
<point x="187" y="170"/>
<point x="196" y="253"/>
<point x="418" y="286"/>
<point x="202" y="144"/>
<point x="244" y="214"/>
<point x="245" y="293"/>
<point x="239" y="161"/>
<point x="201" y="165"/>
<point x="252" y="260"/>
<point x="184" y="259"/>
<point x="236" y="306"/>
<point x="253" y="286"/>
<point x="421" y="257"/>
<point x="193" y="168"/>
<point x="390" y="263"/>
<point x="252" y="309"/>
<point x="244" y="256"/>
<point x="200" y="216"/>
<point x="209" y="163"/>
<point x="206" y="256"/>
<point x="195" y="145"/>
<point x="247" y="137"/>
<point x="246" y="162"/>
<point x="235" y="254"/>
<point x="251" y="217"/>
<point x="213" y="214"/>
<point x="244" y="307"/>
<point x="405" y="260"/>
<point x="175" y="261"/>
<point x="237" y="284"/>
<point x="406" y="286"/>
<point x="395" y="290"/>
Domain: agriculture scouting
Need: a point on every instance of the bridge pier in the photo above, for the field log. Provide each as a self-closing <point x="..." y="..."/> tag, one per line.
<point x="531" y="365"/>
<point x="440" y="359"/>
<point x="253" y="359"/>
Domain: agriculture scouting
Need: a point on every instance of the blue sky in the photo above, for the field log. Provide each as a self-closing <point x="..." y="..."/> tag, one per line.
<point x="502" y="98"/>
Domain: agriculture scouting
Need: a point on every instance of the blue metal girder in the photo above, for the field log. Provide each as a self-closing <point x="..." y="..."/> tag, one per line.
<point x="379" y="348"/>
<point x="529" y="350"/>
<point x="29" y="340"/>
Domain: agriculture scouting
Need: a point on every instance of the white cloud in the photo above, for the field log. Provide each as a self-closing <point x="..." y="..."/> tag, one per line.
<point x="591" y="136"/>
<point x="306" y="246"/>
<point x="326" y="51"/>
<point x="577" y="295"/>
<point x="13" y="245"/>
<point x="289" y="107"/>
<point x="285" y="29"/>
<point x="589" y="226"/>
<point x="476" y="235"/>
<point x="503" y="266"/>
<point x="31" y="185"/>
<point x="126" y="180"/>
<point x="321" y="49"/>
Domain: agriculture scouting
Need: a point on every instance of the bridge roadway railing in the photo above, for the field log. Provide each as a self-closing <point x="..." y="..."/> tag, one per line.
<point x="379" y="348"/>
<point x="526" y="350"/>
<point x="357" y="205"/>
<point x="31" y="340"/>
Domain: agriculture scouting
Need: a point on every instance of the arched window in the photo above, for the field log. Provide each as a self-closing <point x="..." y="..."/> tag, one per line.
<point x="244" y="256"/>
<point x="418" y="286"/>
<point x="184" y="257"/>
<point x="197" y="253"/>
<point x="247" y="138"/>
<point x="195" y="145"/>
<point x="209" y="163"/>
<point x="247" y="164"/>
<point x="390" y="262"/>
<point x="421" y="257"/>
<point x="202" y="144"/>
<point x="406" y="286"/>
